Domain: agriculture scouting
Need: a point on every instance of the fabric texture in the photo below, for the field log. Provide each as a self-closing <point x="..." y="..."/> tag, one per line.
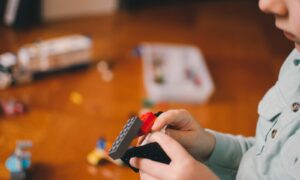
<point x="274" y="152"/>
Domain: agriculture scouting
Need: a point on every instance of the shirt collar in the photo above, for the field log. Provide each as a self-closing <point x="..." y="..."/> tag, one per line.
<point x="289" y="78"/>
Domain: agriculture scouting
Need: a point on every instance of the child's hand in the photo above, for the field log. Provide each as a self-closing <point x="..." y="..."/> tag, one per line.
<point x="182" y="166"/>
<point x="187" y="131"/>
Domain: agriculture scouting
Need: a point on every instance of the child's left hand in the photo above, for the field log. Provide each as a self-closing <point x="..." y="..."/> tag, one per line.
<point x="182" y="166"/>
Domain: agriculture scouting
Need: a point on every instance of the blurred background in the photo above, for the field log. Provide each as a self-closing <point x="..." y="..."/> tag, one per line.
<point x="74" y="71"/>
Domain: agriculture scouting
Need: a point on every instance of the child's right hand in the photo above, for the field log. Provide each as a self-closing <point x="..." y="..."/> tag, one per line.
<point x="182" y="127"/>
<point x="182" y="165"/>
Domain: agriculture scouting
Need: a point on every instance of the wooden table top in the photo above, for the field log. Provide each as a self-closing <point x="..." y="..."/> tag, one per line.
<point x="241" y="47"/>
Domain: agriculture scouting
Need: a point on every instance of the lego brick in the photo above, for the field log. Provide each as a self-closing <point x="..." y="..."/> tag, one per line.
<point x="151" y="151"/>
<point x="129" y="132"/>
<point x="148" y="121"/>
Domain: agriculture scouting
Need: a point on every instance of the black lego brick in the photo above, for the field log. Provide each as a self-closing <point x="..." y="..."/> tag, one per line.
<point x="129" y="132"/>
<point x="151" y="151"/>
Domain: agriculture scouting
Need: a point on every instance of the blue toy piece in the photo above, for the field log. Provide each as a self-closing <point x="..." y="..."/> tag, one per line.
<point x="136" y="52"/>
<point x="101" y="143"/>
<point x="14" y="164"/>
<point x="17" y="167"/>
<point x="19" y="162"/>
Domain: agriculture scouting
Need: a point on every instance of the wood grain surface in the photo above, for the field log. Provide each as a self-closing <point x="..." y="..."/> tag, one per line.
<point x="241" y="46"/>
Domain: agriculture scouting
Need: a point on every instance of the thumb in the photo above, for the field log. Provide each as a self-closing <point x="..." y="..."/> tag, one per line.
<point x="179" y="119"/>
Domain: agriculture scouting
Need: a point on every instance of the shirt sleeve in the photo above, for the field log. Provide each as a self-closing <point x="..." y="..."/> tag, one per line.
<point x="227" y="154"/>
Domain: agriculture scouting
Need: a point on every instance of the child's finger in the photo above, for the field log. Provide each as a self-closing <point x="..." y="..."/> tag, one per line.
<point x="171" y="117"/>
<point x="152" y="168"/>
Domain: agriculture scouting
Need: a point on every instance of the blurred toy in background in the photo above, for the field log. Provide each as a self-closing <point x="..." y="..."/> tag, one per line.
<point x="12" y="107"/>
<point x="100" y="154"/>
<point x="147" y="106"/>
<point x="191" y="74"/>
<point x="105" y="69"/>
<point x="76" y="98"/>
<point x="19" y="162"/>
<point x="136" y="52"/>
<point x="37" y="60"/>
<point x="7" y="63"/>
<point x="157" y="65"/>
<point x="174" y="73"/>
<point x="5" y="77"/>
<point x="55" y="55"/>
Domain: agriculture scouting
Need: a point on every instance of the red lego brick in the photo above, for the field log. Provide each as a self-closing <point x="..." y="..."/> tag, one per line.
<point x="148" y="121"/>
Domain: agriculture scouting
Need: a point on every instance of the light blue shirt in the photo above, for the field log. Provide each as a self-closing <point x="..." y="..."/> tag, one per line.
<point x="274" y="152"/>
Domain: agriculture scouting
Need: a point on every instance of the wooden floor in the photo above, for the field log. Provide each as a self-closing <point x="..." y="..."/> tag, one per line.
<point x="242" y="48"/>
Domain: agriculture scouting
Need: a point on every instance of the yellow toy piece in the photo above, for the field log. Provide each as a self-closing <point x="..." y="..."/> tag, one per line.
<point x="95" y="156"/>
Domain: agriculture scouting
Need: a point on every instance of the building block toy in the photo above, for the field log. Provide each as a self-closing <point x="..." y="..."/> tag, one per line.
<point x="100" y="154"/>
<point x="19" y="162"/>
<point x="7" y="64"/>
<point x="148" y="121"/>
<point x="151" y="151"/>
<point x="129" y="132"/>
<point x="42" y="58"/>
<point x="12" y="107"/>
<point x="136" y="127"/>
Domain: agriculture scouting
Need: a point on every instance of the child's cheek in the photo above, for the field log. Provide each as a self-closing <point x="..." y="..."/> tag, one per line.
<point x="295" y="25"/>
<point x="297" y="34"/>
<point x="297" y="28"/>
<point x="295" y="22"/>
<point x="297" y="45"/>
